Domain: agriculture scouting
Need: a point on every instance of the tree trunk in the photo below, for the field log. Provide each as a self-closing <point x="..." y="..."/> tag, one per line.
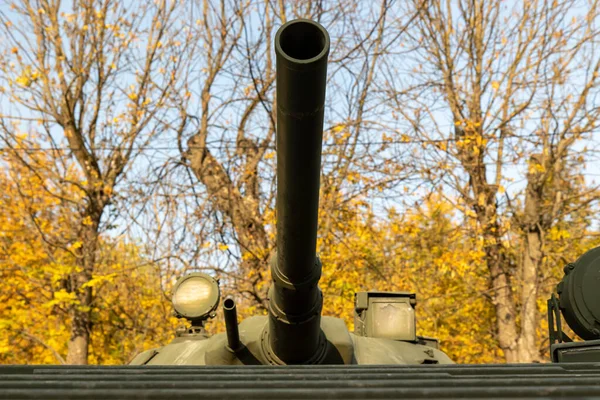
<point x="486" y="208"/>
<point x="532" y="259"/>
<point x="77" y="353"/>
<point x="81" y="324"/>
<point x="502" y="297"/>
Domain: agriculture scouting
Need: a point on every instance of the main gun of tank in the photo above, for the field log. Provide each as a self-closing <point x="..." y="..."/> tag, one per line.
<point x="294" y="334"/>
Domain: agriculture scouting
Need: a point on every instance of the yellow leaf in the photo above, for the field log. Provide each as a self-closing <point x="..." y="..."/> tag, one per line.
<point x="481" y="199"/>
<point x="495" y="85"/>
<point x="27" y="77"/>
<point x="338" y="128"/>
<point x="99" y="279"/>
<point x="24" y="81"/>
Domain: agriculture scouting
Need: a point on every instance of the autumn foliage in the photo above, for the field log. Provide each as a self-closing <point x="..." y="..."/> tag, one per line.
<point x="137" y="144"/>
<point x="130" y="313"/>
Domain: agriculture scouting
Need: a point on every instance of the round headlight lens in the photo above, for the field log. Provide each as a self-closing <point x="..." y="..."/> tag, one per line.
<point x="195" y="296"/>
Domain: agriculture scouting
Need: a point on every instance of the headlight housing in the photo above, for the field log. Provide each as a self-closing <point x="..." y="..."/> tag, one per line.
<point x="196" y="296"/>
<point x="580" y="297"/>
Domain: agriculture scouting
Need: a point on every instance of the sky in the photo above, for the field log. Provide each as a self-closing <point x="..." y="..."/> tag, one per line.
<point x="343" y="88"/>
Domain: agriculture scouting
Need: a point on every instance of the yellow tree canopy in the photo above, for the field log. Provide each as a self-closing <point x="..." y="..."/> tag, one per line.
<point x="130" y="313"/>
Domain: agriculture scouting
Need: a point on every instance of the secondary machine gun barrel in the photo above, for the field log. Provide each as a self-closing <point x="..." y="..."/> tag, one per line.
<point x="295" y="301"/>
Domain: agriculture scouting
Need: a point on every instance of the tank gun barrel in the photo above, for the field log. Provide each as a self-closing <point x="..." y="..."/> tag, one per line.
<point x="295" y="301"/>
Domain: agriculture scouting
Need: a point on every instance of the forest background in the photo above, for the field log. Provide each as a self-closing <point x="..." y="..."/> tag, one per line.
<point x="137" y="145"/>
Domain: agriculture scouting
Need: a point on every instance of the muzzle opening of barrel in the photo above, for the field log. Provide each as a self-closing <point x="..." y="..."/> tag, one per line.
<point x="229" y="304"/>
<point x="302" y="41"/>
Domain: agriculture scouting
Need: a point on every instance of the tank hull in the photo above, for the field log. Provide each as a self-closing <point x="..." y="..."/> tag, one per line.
<point x="343" y="347"/>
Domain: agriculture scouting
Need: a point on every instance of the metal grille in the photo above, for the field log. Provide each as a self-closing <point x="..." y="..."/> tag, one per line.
<point x="295" y="382"/>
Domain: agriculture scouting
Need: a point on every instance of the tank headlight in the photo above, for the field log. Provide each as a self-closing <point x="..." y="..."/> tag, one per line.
<point x="196" y="296"/>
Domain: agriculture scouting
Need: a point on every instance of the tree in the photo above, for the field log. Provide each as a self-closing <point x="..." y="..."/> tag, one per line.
<point x="426" y="250"/>
<point x="229" y="146"/>
<point x="129" y="313"/>
<point x="513" y="81"/>
<point x="138" y="145"/>
<point x="97" y="79"/>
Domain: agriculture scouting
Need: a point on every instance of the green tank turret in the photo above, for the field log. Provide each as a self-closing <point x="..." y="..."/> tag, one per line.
<point x="294" y="332"/>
